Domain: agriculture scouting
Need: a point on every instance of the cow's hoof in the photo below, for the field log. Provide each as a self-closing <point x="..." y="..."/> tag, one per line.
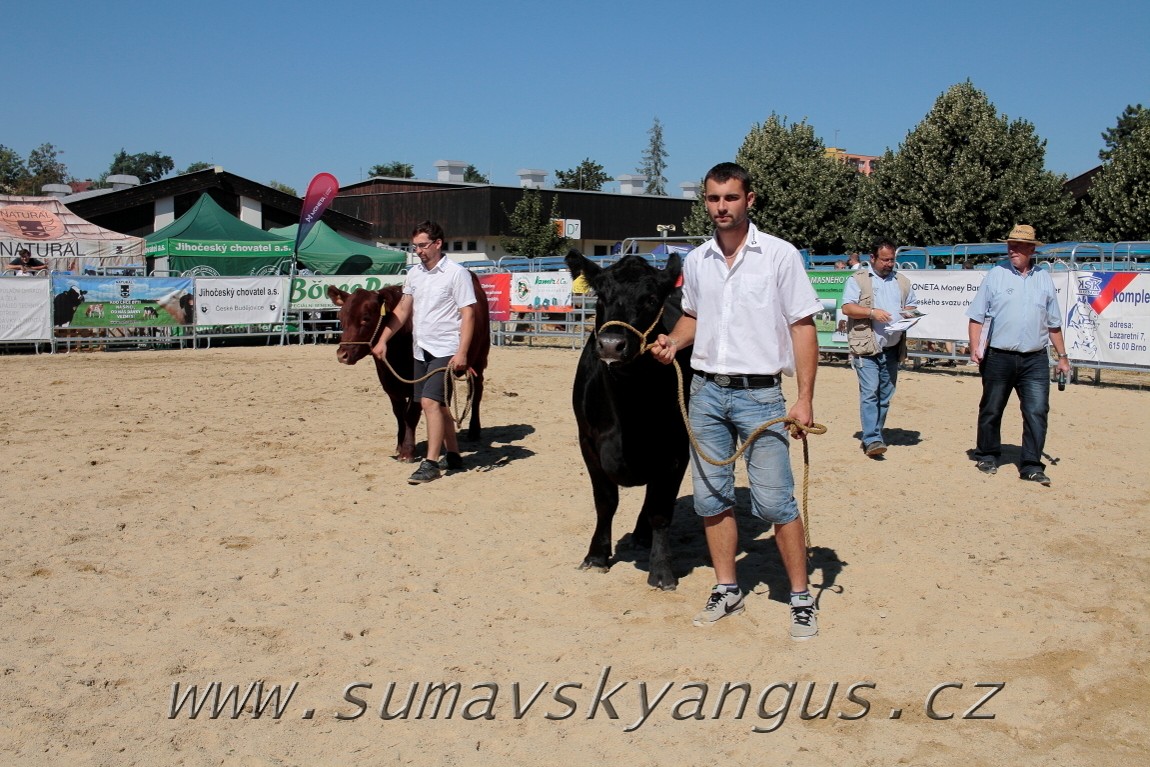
<point x="405" y="458"/>
<point x="666" y="581"/>
<point x="594" y="564"/>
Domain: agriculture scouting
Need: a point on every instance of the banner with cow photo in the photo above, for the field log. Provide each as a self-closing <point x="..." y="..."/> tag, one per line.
<point x="25" y="309"/>
<point x="117" y="302"/>
<point x="240" y="300"/>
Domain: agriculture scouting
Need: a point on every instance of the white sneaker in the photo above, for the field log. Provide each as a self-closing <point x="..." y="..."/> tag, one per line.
<point x="720" y="604"/>
<point x="804" y="623"/>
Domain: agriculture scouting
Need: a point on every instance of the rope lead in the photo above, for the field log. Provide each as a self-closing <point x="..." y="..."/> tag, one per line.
<point x="794" y="427"/>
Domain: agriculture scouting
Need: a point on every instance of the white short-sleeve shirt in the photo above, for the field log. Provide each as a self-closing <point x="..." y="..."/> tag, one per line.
<point x="437" y="296"/>
<point x="744" y="313"/>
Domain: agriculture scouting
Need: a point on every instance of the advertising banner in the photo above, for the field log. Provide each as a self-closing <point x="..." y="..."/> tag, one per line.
<point x="320" y="192"/>
<point x="498" y="290"/>
<point x="310" y="293"/>
<point x="830" y="322"/>
<point x="138" y="302"/>
<point x="25" y="309"/>
<point x="240" y="300"/>
<point x="65" y="242"/>
<point x="1107" y="317"/>
<point x="541" y="292"/>
<point x="943" y="296"/>
<point x="208" y="257"/>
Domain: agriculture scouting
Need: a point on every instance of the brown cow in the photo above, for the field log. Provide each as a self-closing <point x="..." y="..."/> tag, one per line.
<point x="360" y="314"/>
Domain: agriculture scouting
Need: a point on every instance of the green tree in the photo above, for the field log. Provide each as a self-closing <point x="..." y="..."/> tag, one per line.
<point x="472" y="176"/>
<point x="963" y="174"/>
<point x="1119" y="206"/>
<point x="697" y="221"/>
<point x="13" y="173"/>
<point x="44" y="167"/>
<point x="393" y="170"/>
<point x="283" y="188"/>
<point x="194" y="168"/>
<point x="1130" y="119"/>
<point x="532" y="233"/>
<point x="146" y="166"/>
<point x="801" y="194"/>
<point x="655" y="160"/>
<point x="587" y="175"/>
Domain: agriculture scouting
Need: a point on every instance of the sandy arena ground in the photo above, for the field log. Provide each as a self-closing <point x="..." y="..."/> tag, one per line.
<point x="233" y="516"/>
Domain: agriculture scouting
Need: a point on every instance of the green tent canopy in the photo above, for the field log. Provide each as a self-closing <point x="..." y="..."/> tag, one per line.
<point x="207" y="240"/>
<point x="326" y="251"/>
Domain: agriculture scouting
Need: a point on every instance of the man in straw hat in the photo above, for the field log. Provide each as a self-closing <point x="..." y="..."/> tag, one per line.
<point x="1013" y="319"/>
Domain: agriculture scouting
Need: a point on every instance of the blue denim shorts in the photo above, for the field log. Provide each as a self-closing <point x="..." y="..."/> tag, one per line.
<point x="718" y="415"/>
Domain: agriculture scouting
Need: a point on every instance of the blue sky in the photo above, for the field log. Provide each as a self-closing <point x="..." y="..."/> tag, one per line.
<point x="284" y="90"/>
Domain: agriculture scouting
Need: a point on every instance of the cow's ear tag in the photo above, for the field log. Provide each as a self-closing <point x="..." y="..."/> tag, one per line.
<point x="383" y="310"/>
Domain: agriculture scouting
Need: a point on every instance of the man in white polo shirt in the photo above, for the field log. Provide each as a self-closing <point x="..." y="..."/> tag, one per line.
<point x="748" y="309"/>
<point x="439" y="297"/>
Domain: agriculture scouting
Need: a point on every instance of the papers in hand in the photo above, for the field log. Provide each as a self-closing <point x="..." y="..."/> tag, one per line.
<point x="984" y="338"/>
<point x="906" y="321"/>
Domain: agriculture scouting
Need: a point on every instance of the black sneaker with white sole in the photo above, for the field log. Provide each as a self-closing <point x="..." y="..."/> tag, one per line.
<point x="427" y="471"/>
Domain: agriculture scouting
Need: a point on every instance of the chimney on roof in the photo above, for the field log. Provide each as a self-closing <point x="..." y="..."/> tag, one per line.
<point x="450" y="170"/>
<point x="123" y="182"/>
<point x="56" y="190"/>
<point x="531" y="178"/>
<point x="690" y="189"/>
<point x="630" y="183"/>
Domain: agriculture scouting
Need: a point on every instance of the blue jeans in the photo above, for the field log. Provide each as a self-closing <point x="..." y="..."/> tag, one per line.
<point x="1028" y="374"/>
<point x="717" y="416"/>
<point x="877" y="375"/>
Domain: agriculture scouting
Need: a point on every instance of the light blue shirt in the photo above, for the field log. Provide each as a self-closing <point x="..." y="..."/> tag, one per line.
<point x="1021" y="309"/>
<point x="887" y="295"/>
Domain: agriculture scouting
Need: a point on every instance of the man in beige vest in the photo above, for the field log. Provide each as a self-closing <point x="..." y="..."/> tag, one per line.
<point x="874" y="298"/>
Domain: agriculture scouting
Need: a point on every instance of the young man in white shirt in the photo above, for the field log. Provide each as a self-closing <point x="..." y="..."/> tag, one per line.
<point x="748" y="310"/>
<point x="439" y="297"/>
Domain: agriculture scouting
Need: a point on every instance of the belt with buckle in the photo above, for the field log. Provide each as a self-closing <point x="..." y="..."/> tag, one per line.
<point x="741" y="381"/>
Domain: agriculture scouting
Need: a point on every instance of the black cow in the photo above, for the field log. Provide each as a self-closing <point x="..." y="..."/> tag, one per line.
<point x="64" y="305"/>
<point x="187" y="308"/>
<point x="631" y="431"/>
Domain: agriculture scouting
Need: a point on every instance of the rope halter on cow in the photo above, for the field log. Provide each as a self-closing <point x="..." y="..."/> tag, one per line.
<point x="795" y="428"/>
<point x="451" y="379"/>
<point x="643" y="344"/>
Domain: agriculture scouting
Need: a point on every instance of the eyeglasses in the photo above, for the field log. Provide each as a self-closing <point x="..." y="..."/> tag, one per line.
<point x="423" y="245"/>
